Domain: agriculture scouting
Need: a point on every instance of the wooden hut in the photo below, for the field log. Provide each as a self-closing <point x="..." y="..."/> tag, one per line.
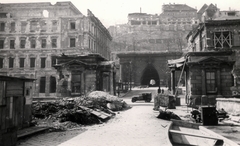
<point x="15" y="107"/>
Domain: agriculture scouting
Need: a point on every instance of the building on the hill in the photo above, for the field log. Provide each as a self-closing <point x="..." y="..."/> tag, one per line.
<point x="33" y="34"/>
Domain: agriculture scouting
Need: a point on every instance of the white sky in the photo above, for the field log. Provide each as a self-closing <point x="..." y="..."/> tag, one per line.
<point x="111" y="12"/>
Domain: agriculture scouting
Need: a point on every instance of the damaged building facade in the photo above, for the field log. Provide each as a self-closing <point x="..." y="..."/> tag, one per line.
<point x="212" y="63"/>
<point x="34" y="36"/>
<point x="163" y="34"/>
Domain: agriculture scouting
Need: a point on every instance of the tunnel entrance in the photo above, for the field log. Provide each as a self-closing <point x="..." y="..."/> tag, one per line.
<point x="150" y="77"/>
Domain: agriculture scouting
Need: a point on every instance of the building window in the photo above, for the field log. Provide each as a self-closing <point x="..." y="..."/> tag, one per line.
<point x="222" y="39"/>
<point x="2" y="26"/>
<point x="33" y="26"/>
<point x="54" y="43"/>
<point x="52" y="84"/>
<point x="43" y="62"/>
<point x="2" y="92"/>
<point x="72" y="25"/>
<point x="44" y="43"/>
<point x="23" y="26"/>
<point x="211" y="82"/>
<point x="54" y="25"/>
<point x="1" y="62"/>
<point x="33" y="42"/>
<point x="12" y="44"/>
<point x="32" y="62"/>
<point x="11" y="62"/>
<point x="72" y="42"/>
<point x="42" y="84"/>
<point x="54" y="60"/>
<point x="43" y="26"/>
<point x="1" y="44"/>
<point x="22" y="43"/>
<point x="21" y="63"/>
<point x="12" y="27"/>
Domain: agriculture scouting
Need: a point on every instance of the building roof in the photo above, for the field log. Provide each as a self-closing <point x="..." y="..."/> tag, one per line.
<point x="178" y="7"/>
<point x="202" y="10"/>
<point x="227" y="18"/>
<point x="6" y="7"/>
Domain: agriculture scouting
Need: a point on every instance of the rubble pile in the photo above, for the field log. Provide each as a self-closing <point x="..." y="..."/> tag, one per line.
<point x="104" y="99"/>
<point x="72" y="112"/>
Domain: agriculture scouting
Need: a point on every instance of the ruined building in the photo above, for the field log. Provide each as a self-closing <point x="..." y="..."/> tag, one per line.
<point x="211" y="65"/>
<point x="149" y="32"/>
<point x="35" y="39"/>
<point x="149" y="40"/>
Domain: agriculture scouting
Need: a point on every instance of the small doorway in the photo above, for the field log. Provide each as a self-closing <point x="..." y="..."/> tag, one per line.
<point x="76" y="84"/>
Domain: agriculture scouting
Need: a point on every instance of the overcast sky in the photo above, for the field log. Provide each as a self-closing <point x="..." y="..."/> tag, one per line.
<point x="112" y="12"/>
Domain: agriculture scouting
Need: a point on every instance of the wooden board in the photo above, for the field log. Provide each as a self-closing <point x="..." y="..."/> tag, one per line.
<point x="100" y="114"/>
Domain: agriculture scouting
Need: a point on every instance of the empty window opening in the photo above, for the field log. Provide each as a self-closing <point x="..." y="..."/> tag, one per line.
<point x="54" y="25"/>
<point x="11" y="62"/>
<point x="1" y="44"/>
<point x="21" y="64"/>
<point x="33" y="43"/>
<point x="44" y="43"/>
<point x="33" y="26"/>
<point x="12" y="27"/>
<point x="54" y="60"/>
<point x="52" y="84"/>
<point x="43" y="26"/>
<point x="2" y="26"/>
<point x="1" y="62"/>
<point x="72" y="42"/>
<point x="43" y="62"/>
<point x="12" y="44"/>
<point x="72" y="25"/>
<point x="32" y="62"/>
<point x="23" y="26"/>
<point x="42" y="84"/>
<point x="54" y="43"/>
<point x="22" y="43"/>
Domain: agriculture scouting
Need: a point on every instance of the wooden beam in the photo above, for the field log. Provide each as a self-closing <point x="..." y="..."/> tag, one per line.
<point x="194" y="135"/>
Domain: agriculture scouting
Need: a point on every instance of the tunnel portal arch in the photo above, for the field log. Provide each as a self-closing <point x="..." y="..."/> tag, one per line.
<point x="150" y="73"/>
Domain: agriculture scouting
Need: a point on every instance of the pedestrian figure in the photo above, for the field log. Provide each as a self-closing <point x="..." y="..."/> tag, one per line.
<point x="162" y="91"/>
<point x="159" y="90"/>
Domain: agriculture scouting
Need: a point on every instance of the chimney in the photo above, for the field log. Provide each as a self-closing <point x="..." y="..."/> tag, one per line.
<point x="140" y="10"/>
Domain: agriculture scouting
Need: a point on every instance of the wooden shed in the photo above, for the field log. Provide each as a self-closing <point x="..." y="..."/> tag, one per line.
<point x="15" y="107"/>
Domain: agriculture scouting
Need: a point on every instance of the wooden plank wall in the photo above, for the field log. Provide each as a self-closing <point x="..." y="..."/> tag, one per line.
<point x="11" y="112"/>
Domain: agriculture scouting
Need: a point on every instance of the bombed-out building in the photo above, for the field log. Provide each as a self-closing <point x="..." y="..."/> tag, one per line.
<point x="34" y="37"/>
<point x="211" y="65"/>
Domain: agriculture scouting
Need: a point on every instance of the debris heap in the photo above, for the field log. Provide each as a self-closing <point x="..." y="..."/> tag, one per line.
<point x="67" y="113"/>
